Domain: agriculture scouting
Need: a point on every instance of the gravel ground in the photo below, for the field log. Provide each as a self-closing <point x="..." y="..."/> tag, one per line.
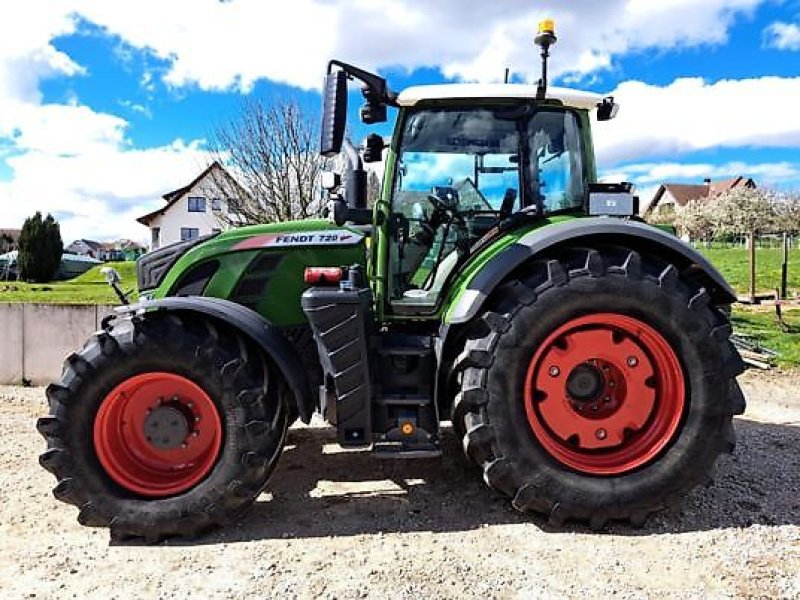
<point x="345" y="525"/>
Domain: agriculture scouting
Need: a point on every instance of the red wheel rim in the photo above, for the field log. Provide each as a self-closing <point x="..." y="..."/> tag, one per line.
<point x="604" y="394"/>
<point x="157" y="434"/>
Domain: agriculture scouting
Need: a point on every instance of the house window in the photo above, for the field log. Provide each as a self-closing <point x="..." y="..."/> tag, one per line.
<point x="156" y="239"/>
<point x="197" y="204"/>
<point x="189" y="233"/>
<point x="216" y="204"/>
<point x="215" y="230"/>
<point x="233" y="205"/>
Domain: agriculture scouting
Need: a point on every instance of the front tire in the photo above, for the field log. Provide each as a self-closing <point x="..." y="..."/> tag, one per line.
<point x="599" y="385"/>
<point x="163" y="425"/>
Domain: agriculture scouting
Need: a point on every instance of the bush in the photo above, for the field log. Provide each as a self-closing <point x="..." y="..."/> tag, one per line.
<point x="40" y="248"/>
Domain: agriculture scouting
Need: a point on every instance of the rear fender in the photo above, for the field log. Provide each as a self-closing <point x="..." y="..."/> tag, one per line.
<point x="577" y="232"/>
<point x="268" y="337"/>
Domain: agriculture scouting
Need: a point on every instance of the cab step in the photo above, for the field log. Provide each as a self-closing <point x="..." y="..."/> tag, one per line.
<point x="403" y="450"/>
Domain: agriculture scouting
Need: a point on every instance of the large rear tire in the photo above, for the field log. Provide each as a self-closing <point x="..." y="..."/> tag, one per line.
<point x="599" y="385"/>
<point x="164" y="425"/>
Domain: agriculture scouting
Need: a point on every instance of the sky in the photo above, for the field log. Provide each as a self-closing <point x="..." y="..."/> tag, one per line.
<point x="107" y="105"/>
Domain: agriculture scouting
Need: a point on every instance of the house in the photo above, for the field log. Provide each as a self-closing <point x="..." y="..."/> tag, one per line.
<point x="84" y="247"/>
<point x="671" y="195"/>
<point x="200" y="208"/>
<point x="9" y="238"/>
<point x="120" y="250"/>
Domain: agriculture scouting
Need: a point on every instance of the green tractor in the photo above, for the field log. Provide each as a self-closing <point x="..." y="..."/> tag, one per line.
<point x="582" y="356"/>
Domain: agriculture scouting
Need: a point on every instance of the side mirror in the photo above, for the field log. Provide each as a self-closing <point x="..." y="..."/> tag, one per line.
<point x="334" y="113"/>
<point x="373" y="148"/>
<point x="607" y="109"/>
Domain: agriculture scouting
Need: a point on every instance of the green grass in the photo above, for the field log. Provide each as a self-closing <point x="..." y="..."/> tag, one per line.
<point x="761" y="326"/>
<point x="734" y="264"/>
<point x="89" y="288"/>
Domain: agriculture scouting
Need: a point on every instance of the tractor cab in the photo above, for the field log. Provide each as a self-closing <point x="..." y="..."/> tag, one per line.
<point x="465" y="160"/>
<point x="466" y="164"/>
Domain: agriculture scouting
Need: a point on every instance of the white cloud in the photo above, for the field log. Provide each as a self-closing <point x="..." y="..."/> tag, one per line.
<point x="220" y="45"/>
<point x="782" y="36"/>
<point x="764" y="173"/>
<point x="98" y="193"/>
<point x="690" y="115"/>
<point x="26" y="52"/>
<point x="69" y="159"/>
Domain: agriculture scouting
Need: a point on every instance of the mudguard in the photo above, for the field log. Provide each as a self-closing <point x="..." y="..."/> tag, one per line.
<point x="255" y="327"/>
<point x="619" y="232"/>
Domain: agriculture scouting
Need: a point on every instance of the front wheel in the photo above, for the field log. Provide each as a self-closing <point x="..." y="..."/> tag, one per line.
<point x="165" y="425"/>
<point x="600" y="385"/>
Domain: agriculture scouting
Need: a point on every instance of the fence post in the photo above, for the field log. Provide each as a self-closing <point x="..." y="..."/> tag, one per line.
<point x="752" y="241"/>
<point x="785" y="267"/>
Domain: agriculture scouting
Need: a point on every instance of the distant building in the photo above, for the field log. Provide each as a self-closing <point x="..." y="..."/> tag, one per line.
<point x="671" y="195"/>
<point x="84" y="247"/>
<point x="193" y="210"/>
<point x="120" y="250"/>
<point x="9" y="240"/>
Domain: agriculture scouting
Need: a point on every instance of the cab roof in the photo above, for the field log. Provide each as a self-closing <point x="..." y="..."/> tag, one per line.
<point x="494" y="91"/>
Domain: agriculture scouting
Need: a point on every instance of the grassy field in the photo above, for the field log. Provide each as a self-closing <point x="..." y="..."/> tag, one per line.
<point x="735" y="266"/>
<point x="760" y="325"/>
<point x="89" y="288"/>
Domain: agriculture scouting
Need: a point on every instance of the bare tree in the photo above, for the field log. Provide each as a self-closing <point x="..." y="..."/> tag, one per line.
<point x="373" y="189"/>
<point x="272" y="150"/>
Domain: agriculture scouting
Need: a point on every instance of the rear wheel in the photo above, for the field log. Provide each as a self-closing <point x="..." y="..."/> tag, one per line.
<point x="166" y="425"/>
<point x="600" y="385"/>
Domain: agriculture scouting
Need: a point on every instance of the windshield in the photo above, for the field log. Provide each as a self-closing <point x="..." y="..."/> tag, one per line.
<point x="461" y="171"/>
<point x="483" y="153"/>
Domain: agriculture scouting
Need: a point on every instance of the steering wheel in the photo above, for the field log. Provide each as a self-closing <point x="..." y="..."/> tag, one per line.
<point x="438" y="203"/>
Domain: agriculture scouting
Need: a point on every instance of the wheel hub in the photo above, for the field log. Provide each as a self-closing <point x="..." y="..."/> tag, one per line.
<point x="166" y="427"/>
<point x="585" y="383"/>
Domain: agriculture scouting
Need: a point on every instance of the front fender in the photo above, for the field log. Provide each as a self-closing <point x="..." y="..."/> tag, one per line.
<point x="254" y="326"/>
<point x="637" y="236"/>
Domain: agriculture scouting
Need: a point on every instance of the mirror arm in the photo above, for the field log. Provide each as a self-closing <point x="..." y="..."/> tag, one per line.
<point x="376" y="83"/>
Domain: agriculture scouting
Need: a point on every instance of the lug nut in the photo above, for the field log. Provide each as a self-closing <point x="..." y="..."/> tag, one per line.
<point x="554" y="371"/>
<point x="174" y="398"/>
<point x="632" y="361"/>
<point x="197" y="419"/>
<point x="601" y="434"/>
<point x="184" y="445"/>
<point x="612" y="384"/>
<point x="189" y="404"/>
<point x="606" y="399"/>
<point x="195" y="433"/>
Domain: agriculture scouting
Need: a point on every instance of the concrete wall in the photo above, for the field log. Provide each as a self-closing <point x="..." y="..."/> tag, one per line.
<point x="36" y="338"/>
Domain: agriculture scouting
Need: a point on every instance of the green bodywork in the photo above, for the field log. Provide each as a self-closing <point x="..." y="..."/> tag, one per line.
<point x="278" y="300"/>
